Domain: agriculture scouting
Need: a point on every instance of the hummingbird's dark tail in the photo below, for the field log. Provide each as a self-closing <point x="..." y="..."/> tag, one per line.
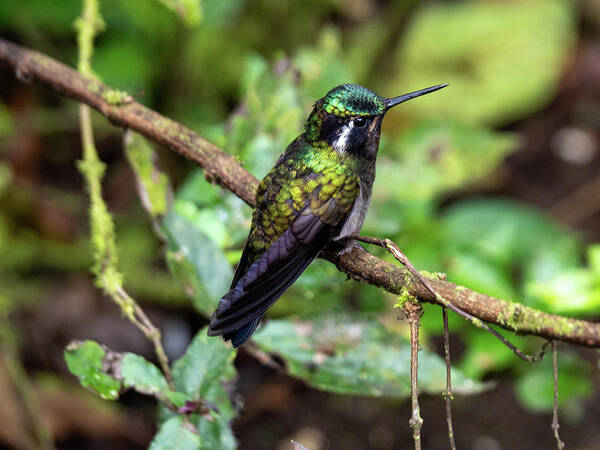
<point x="266" y="279"/>
<point x="240" y="336"/>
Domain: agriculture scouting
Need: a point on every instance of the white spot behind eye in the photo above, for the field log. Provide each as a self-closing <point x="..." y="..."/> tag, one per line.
<point x="341" y="142"/>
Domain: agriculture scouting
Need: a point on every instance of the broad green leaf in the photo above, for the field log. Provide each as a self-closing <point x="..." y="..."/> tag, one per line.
<point x="179" y="399"/>
<point x="190" y="248"/>
<point x="572" y="290"/>
<point x="176" y="434"/>
<point x="143" y="376"/>
<point x="502" y="59"/>
<point x="107" y="373"/>
<point x="480" y="274"/>
<point x="356" y="357"/>
<point x="200" y="373"/>
<point x="85" y="360"/>
<point x="216" y="433"/>
<point x="221" y="215"/>
<point x="504" y="230"/>
<point x="205" y="362"/>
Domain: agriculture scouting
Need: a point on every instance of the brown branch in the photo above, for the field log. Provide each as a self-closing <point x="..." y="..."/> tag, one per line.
<point x="559" y="444"/>
<point x="448" y="391"/>
<point x="413" y="315"/>
<point x="226" y="171"/>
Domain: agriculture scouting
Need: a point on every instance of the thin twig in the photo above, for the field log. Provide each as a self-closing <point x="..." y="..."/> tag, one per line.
<point x="263" y="357"/>
<point x="391" y="247"/>
<point x="101" y="224"/>
<point x="151" y="332"/>
<point x="225" y="170"/>
<point x="413" y="313"/>
<point x="559" y="444"/>
<point x="448" y="393"/>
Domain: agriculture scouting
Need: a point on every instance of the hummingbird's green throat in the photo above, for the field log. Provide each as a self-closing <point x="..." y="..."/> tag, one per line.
<point x="318" y="192"/>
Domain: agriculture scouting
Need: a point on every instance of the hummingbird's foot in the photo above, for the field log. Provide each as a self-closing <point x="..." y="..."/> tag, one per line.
<point x="349" y="245"/>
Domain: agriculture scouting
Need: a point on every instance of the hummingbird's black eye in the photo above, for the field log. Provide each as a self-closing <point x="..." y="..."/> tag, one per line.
<point x="360" y="122"/>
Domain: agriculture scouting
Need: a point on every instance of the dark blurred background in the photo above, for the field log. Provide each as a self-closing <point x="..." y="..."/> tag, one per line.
<point x="495" y="181"/>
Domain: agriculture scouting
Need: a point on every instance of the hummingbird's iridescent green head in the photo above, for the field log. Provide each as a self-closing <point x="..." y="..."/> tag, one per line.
<point x="348" y="118"/>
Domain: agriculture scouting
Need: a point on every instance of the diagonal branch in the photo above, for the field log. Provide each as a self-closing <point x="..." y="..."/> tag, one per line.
<point x="225" y="170"/>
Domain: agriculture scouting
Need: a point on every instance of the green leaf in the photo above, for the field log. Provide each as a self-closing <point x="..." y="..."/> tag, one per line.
<point x="85" y="360"/>
<point x="480" y="274"/>
<point x="229" y="215"/>
<point x="108" y="372"/>
<point x="574" y="290"/>
<point x="200" y="373"/>
<point x="503" y="60"/>
<point x="176" y="434"/>
<point x="205" y="362"/>
<point x="216" y="432"/>
<point x="191" y="248"/>
<point x="142" y="375"/>
<point x="179" y="399"/>
<point x="356" y="357"/>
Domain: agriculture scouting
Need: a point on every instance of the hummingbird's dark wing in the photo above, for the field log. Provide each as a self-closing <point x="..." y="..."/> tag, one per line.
<point x="296" y="216"/>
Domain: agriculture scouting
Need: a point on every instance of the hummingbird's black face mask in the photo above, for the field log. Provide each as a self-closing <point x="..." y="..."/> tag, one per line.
<point x="350" y="135"/>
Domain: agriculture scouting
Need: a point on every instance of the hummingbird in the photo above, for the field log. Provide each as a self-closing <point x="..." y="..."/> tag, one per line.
<point x="318" y="192"/>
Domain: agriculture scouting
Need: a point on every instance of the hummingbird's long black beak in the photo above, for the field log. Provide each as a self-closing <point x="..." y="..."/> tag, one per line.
<point x="390" y="102"/>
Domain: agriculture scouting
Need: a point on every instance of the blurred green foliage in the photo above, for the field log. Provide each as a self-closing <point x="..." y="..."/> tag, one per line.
<point x="244" y="74"/>
<point x="535" y="387"/>
<point x="348" y="356"/>
<point x="500" y="57"/>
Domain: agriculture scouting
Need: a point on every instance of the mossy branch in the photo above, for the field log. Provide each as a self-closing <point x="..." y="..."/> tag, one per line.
<point x="105" y="269"/>
<point x="225" y="170"/>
